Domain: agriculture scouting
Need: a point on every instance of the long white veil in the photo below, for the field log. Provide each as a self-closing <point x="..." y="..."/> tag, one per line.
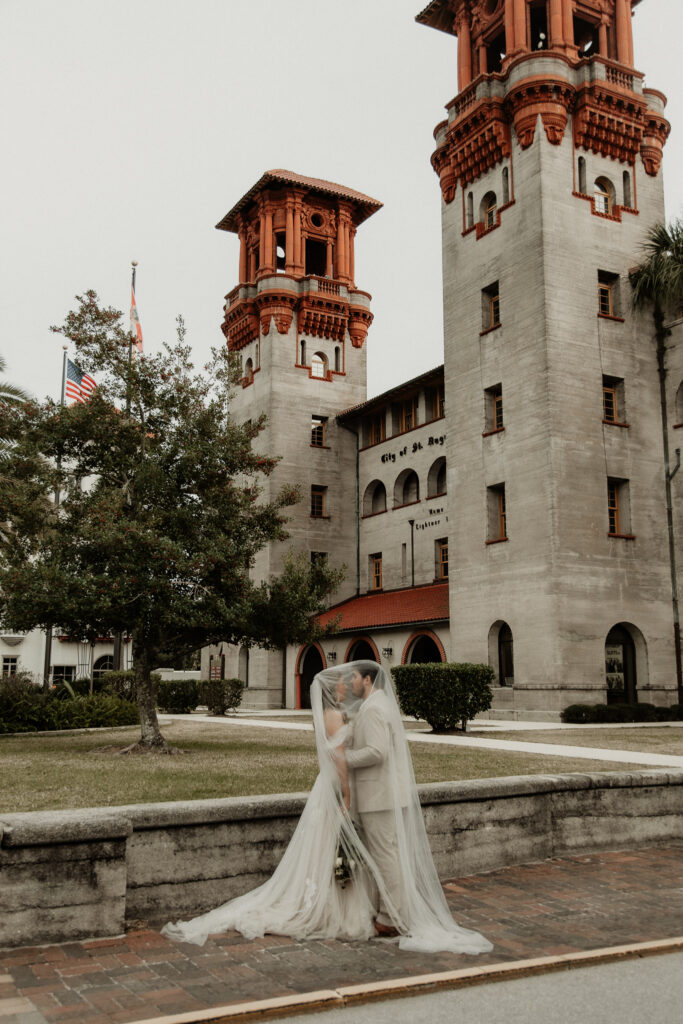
<point x="327" y="883"/>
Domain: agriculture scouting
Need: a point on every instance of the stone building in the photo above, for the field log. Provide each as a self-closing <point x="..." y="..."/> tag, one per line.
<point x="542" y="434"/>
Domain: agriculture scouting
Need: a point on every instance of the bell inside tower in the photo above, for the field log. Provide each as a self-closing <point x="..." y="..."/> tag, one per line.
<point x="538" y="25"/>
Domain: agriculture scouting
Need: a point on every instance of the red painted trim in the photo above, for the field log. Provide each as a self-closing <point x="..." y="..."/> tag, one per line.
<point x="441" y="494"/>
<point x="488" y="433"/>
<point x="622" y="536"/>
<point x="367" y="640"/>
<point x="615" y="423"/>
<point x="297" y="668"/>
<point x="407" y="504"/>
<point x="498" y="540"/>
<point x="415" y="636"/>
<point x="677" y="426"/>
<point x="608" y="316"/>
<point x="370" y="515"/>
<point x="489" y="329"/>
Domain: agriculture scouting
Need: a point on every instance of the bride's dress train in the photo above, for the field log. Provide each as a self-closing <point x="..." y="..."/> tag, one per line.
<point x="304" y="898"/>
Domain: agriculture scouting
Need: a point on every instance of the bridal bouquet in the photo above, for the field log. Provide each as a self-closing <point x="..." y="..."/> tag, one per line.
<point x="344" y="866"/>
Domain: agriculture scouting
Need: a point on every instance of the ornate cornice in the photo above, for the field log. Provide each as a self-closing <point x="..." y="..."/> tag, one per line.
<point x="473" y="145"/>
<point x="551" y="98"/>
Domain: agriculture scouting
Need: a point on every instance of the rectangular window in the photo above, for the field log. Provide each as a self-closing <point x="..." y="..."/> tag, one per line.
<point x="436" y="403"/>
<point x="618" y="508"/>
<point x="376" y="571"/>
<point x="613" y="400"/>
<point x="497" y="513"/>
<point x="405" y="415"/>
<point x="490" y="307"/>
<point x="318" y="502"/>
<point x="63" y="672"/>
<point x="376" y="427"/>
<point x="493" y="409"/>
<point x="318" y="431"/>
<point x="441" y="559"/>
<point x="9" y="665"/>
<point x="608" y="294"/>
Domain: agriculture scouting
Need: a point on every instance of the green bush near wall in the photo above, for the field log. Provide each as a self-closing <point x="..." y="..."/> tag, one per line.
<point x="221" y="695"/>
<point x="178" y="696"/>
<point x="28" y="709"/>
<point x="445" y="695"/>
<point x="585" y="714"/>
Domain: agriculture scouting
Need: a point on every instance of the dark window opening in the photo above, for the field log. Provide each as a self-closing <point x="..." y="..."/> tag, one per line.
<point x="316" y="257"/>
<point x="586" y="37"/>
<point x="538" y="25"/>
<point x="495" y="52"/>
<point x="280" y="252"/>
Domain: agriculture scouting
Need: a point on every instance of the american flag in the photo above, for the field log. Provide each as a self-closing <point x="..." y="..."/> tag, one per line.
<point x="135" y="326"/>
<point x="79" y="386"/>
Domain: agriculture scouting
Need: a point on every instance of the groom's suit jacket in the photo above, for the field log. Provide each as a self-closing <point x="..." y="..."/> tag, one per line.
<point x="369" y="758"/>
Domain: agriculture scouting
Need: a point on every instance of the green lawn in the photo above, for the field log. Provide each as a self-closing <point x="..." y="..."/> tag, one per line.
<point x="61" y="771"/>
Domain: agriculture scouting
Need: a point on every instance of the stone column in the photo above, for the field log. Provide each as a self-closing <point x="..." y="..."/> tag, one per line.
<point x="568" y="19"/>
<point x="464" y="51"/>
<point x="602" y="37"/>
<point x="289" y="238"/>
<point x="242" y="234"/>
<point x="268" y="241"/>
<point x="329" y="269"/>
<point x="519" y="16"/>
<point x="556" y="26"/>
<point x="262" y="240"/>
<point x="509" y="28"/>
<point x="352" y="258"/>
<point x="624" y="32"/>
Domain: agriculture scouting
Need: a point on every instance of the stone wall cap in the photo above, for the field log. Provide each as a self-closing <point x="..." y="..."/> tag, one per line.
<point x="521" y="785"/>
<point x="82" y="825"/>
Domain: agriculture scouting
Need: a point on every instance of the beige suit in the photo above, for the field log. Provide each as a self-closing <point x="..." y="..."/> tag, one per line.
<point x="373" y="789"/>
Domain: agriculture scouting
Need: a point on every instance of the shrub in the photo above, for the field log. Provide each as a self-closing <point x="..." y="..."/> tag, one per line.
<point x="676" y="712"/>
<point x="178" y="696"/>
<point x="121" y="684"/>
<point x="445" y="695"/>
<point x="37" y="711"/>
<point x="578" y="714"/>
<point x="81" y="687"/>
<point x="221" y="695"/>
<point x="589" y="713"/>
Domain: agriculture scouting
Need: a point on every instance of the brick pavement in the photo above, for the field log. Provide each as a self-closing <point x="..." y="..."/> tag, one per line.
<point x="548" y="908"/>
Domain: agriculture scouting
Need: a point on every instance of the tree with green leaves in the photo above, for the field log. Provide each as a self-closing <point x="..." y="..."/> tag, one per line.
<point x="657" y="284"/>
<point x="161" y="511"/>
<point x="10" y="395"/>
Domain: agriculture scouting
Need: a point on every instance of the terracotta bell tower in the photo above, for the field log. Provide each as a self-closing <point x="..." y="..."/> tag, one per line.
<point x="298" y="324"/>
<point x="501" y="40"/>
<point x="297" y="238"/>
<point x="549" y="163"/>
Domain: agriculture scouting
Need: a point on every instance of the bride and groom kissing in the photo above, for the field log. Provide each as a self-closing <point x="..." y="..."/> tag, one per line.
<point x="364" y="810"/>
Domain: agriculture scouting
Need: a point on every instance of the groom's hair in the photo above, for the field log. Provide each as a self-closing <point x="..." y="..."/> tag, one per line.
<point x="370" y="669"/>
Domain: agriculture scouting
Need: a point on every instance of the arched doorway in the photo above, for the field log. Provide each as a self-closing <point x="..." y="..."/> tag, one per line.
<point x="501" y="653"/>
<point x="620" y="666"/>
<point x="102" y="665"/>
<point x="243" y="665"/>
<point x="424" y="650"/>
<point x="311" y="664"/>
<point x="361" y="650"/>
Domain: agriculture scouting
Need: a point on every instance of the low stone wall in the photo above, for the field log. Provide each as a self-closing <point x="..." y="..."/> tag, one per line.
<point x="76" y="874"/>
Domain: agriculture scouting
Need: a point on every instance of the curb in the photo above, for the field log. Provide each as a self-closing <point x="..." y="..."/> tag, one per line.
<point x="349" y="995"/>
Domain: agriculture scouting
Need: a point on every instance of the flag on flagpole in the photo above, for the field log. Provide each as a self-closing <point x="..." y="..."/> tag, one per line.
<point x="135" y="328"/>
<point x="79" y="386"/>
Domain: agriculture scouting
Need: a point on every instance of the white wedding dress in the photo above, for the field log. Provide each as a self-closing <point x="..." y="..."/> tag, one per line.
<point x="304" y="898"/>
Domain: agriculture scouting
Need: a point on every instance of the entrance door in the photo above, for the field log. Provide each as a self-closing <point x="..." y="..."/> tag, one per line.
<point x="505" y="657"/>
<point x="620" y="667"/>
<point x="361" y="651"/>
<point x="310" y="666"/>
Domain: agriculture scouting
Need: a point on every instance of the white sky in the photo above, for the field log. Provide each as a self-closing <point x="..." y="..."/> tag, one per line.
<point x="129" y="127"/>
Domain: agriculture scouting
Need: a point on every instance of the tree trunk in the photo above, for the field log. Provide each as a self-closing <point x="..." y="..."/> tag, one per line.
<point x="146" y="698"/>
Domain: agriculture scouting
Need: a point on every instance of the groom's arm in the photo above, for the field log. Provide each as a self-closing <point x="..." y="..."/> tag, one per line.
<point x="375" y="748"/>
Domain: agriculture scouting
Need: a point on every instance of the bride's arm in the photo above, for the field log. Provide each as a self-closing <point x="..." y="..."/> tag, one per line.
<point x="333" y="723"/>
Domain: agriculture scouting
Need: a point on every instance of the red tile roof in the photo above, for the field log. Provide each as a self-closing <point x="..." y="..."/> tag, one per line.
<point x="365" y="205"/>
<point x="395" y="608"/>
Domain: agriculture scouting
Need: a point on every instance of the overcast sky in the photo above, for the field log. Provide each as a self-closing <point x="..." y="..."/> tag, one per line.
<point x="130" y="127"/>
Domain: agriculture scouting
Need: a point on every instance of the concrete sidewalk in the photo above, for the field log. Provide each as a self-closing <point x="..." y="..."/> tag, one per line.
<point x="550" y="910"/>
<point x="630" y="757"/>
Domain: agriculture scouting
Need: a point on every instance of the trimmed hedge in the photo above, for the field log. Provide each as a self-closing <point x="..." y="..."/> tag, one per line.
<point x="26" y="711"/>
<point x="221" y="695"/>
<point x="178" y="696"/>
<point x="445" y="695"/>
<point x="583" y="714"/>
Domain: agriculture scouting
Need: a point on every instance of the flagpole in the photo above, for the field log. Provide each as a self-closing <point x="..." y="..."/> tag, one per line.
<point x="47" y="664"/>
<point x="134" y="264"/>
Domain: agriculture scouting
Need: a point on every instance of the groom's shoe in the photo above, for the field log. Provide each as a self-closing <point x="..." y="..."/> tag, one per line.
<point x="385" y="931"/>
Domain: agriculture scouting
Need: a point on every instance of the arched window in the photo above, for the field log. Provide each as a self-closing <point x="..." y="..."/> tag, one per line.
<point x="337" y="359"/>
<point x="603" y="194"/>
<point x="582" y="175"/>
<point x="319" y="366"/>
<point x="506" y="185"/>
<point x="407" y="489"/>
<point x="249" y="371"/>
<point x="375" y="498"/>
<point x="436" y="480"/>
<point x="243" y="665"/>
<point x="102" y="665"/>
<point x="628" y="198"/>
<point x="487" y="210"/>
<point x="679" y="404"/>
<point x="302" y="352"/>
<point x="470" y="210"/>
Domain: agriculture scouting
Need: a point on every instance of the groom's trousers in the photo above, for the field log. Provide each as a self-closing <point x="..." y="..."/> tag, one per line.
<point x="379" y="833"/>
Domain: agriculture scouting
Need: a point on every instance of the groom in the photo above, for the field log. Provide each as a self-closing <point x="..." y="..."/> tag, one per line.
<point x="375" y="789"/>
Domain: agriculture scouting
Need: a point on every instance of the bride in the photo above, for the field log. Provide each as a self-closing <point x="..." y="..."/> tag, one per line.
<point x="328" y="884"/>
